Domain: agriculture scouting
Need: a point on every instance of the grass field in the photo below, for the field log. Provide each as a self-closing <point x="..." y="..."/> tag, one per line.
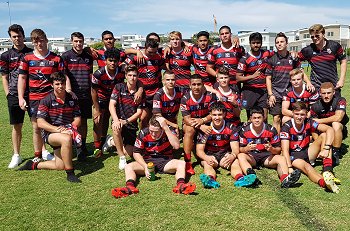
<point x="44" y="200"/>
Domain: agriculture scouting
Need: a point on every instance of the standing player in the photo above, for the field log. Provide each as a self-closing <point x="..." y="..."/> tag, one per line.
<point x="149" y="74"/>
<point x="226" y="55"/>
<point x="220" y="149"/>
<point x="155" y="144"/>
<point x="179" y="61"/>
<point x="331" y="110"/>
<point x="296" y="93"/>
<point x="195" y="112"/>
<point x="108" y="42"/>
<point x="78" y="66"/>
<point x="260" y="146"/>
<point x="58" y="117"/>
<point x="296" y="147"/>
<point x="36" y="68"/>
<point x="9" y="68"/>
<point x="251" y="71"/>
<point x="125" y="112"/>
<point x="277" y="77"/>
<point x="322" y="54"/>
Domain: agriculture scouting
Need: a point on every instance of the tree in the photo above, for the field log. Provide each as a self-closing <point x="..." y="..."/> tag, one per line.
<point x="100" y="45"/>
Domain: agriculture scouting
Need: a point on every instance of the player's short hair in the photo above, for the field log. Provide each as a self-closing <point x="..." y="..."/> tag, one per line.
<point x="152" y="34"/>
<point x="218" y="106"/>
<point x="257" y="110"/>
<point x="225" y="27"/>
<point x="77" y="35"/>
<point x="130" y="68"/>
<point x="106" y="32"/>
<point x="203" y="33"/>
<point x="16" y="28"/>
<point x="154" y="122"/>
<point x="327" y="85"/>
<point x="151" y="43"/>
<point x="168" y="73"/>
<point x="281" y="35"/>
<point x="58" y="76"/>
<point x="175" y="33"/>
<point x="316" y="28"/>
<point x="223" y="71"/>
<point x="295" y="72"/>
<point x="37" y="34"/>
<point x="256" y="36"/>
<point x="298" y="106"/>
<point x="112" y="53"/>
<point x="195" y="76"/>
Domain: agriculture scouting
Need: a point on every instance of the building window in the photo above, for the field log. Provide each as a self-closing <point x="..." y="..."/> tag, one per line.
<point x="330" y="33"/>
<point x="306" y="36"/>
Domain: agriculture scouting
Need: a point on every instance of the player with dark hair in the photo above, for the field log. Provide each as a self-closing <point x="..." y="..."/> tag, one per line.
<point x="78" y="66"/>
<point x="296" y="93"/>
<point x="35" y="70"/>
<point x="9" y="69"/>
<point x="155" y="144"/>
<point x="220" y="148"/>
<point x="251" y="71"/>
<point x="331" y="110"/>
<point x="295" y="135"/>
<point x="322" y="54"/>
<point x="195" y="112"/>
<point x="227" y="54"/>
<point x="260" y="147"/>
<point x="58" y="116"/>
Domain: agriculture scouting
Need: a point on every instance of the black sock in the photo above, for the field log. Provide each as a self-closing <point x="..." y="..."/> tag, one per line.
<point x="71" y="177"/>
<point x="103" y="140"/>
<point x="130" y="183"/>
<point x="83" y="143"/>
<point x="180" y="181"/>
<point x="250" y="171"/>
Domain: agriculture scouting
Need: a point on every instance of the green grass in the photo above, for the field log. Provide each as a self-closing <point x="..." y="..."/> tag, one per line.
<point x="38" y="200"/>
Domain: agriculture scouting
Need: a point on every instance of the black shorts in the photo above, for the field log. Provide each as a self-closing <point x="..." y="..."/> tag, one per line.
<point x="303" y="154"/>
<point x="104" y="104"/>
<point x="45" y="135"/>
<point x="149" y="102"/>
<point x="129" y="135"/>
<point x="159" y="163"/>
<point x="277" y="108"/>
<point x="33" y="108"/>
<point x="260" y="157"/>
<point x="15" y="112"/>
<point x="85" y="106"/>
<point x="218" y="155"/>
<point x="254" y="97"/>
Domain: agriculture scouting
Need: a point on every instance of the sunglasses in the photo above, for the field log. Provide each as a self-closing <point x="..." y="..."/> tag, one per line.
<point x="317" y="36"/>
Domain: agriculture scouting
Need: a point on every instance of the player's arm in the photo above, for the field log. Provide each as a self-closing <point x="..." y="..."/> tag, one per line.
<point x="174" y="141"/>
<point x="343" y="66"/>
<point x="308" y="83"/>
<point x="112" y="110"/>
<point x="210" y="69"/>
<point x="200" y="151"/>
<point x="135" y="116"/>
<point x="188" y="120"/>
<point x="285" y="152"/>
<point x="242" y="78"/>
<point x="234" y="148"/>
<point x="174" y="125"/>
<point x="5" y="83"/>
<point x="337" y="117"/>
<point x="21" y="87"/>
<point x="329" y="133"/>
<point x="285" y="108"/>
<point x="77" y="121"/>
<point x="139" y="159"/>
<point x="270" y="96"/>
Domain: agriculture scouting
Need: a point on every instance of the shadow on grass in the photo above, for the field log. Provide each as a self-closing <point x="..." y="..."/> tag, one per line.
<point x="90" y="165"/>
<point x="306" y="217"/>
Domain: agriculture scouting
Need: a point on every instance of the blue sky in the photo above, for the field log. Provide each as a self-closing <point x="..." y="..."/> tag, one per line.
<point x="61" y="18"/>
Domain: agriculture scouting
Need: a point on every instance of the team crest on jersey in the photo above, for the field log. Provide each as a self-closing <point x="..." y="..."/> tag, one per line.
<point x="290" y="62"/>
<point x="31" y="63"/>
<point x="329" y="51"/>
<point x="315" y="124"/>
<point x="183" y="107"/>
<point x="240" y="66"/>
<point x="71" y="103"/>
<point x="227" y="55"/>
<point x="259" y="62"/>
<point x="54" y="104"/>
<point x="156" y="104"/>
<point x="284" y="135"/>
<point x="275" y="138"/>
<point x="137" y="143"/>
<point x="241" y="140"/>
<point x="87" y="60"/>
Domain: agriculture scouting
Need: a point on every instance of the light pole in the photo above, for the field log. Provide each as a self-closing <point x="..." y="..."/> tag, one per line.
<point x="8" y="4"/>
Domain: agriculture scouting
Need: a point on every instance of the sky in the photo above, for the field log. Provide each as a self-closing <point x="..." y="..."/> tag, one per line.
<point x="61" y="18"/>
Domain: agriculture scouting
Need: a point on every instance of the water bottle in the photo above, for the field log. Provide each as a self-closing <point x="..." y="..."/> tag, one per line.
<point x="150" y="167"/>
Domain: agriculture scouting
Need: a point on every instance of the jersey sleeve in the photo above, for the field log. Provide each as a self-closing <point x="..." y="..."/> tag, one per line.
<point x="76" y="109"/>
<point x="313" y="125"/>
<point x="285" y="134"/>
<point x="185" y="110"/>
<point x="115" y="93"/>
<point x="242" y="66"/>
<point x="275" y="138"/>
<point x="4" y="64"/>
<point x="43" y="109"/>
<point x="96" y="79"/>
<point x="340" y="55"/>
<point x="157" y="104"/>
<point x="139" y="143"/>
<point x="242" y="139"/>
<point x="341" y="104"/>
<point x="24" y="67"/>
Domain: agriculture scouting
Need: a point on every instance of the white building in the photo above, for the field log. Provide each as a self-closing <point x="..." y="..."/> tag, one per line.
<point x="132" y="41"/>
<point x="268" y="39"/>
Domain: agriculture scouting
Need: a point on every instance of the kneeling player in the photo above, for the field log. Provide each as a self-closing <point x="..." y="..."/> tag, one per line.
<point x="155" y="144"/>
<point x="220" y="149"/>
<point x="260" y="146"/>
<point x="296" y="147"/>
<point x="58" y="116"/>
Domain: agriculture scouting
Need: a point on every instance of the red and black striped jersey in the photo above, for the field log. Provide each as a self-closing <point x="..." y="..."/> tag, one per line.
<point x="200" y="61"/>
<point x="267" y="135"/>
<point x="279" y="68"/>
<point x="149" y="147"/>
<point x="249" y="64"/>
<point x="38" y="71"/>
<point x="9" y="65"/>
<point x="149" y="72"/>
<point x="196" y="108"/>
<point x="126" y="106"/>
<point x="78" y="68"/>
<point x="323" y="62"/>
<point x="219" y="140"/>
<point x="322" y="110"/>
<point x="180" y="64"/>
<point x="229" y="58"/>
<point x="299" y="140"/>
<point x="104" y="83"/>
<point x="304" y="97"/>
<point x="167" y="105"/>
<point x="231" y="116"/>
<point x="57" y="112"/>
<point x="101" y="59"/>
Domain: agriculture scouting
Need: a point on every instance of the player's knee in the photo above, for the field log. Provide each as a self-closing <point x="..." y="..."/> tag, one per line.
<point x="189" y="131"/>
<point x="338" y="127"/>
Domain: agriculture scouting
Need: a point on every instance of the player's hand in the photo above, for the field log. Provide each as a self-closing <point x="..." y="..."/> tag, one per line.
<point x="257" y="73"/>
<point x="147" y="174"/>
<point x="218" y="96"/>
<point x="310" y="87"/>
<point x="272" y="100"/>
<point x="97" y="116"/>
<point x="140" y="57"/>
<point x="187" y="49"/>
<point x="166" y="51"/>
<point x="235" y="42"/>
<point x="323" y="154"/>
<point x="161" y="121"/>
<point x="74" y="96"/>
<point x="138" y="97"/>
<point x="211" y="160"/>
<point x="340" y="84"/>
<point x="116" y="126"/>
<point x="228" y="159"/>
<point x="61" y="129"/>
<point x="92" y="52"/>
<point x="206" y="129"/>
<point x="268" y="146"/>
<point x="251" y="146"/>
<point x="22" y="104"/>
